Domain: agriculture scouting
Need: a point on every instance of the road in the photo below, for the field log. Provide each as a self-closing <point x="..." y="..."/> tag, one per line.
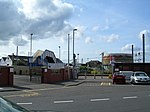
<point x="86" y="97"/>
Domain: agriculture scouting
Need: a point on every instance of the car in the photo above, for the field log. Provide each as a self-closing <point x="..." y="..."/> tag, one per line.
<point x="8" y="106"/>
<point x="118" y="78"/>
<point x="139" y="78"/>
<point x="127" y="75"/>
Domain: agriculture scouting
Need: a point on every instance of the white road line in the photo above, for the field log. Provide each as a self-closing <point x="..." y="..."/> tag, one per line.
<point x="130" y="97"/>
<point x="1" y="88"/>
<point x="104" y="99"/>
<point x="29" y="103"/>
<point x="68" y="101"/>
<point x="101" y="83"/>
<point x="149" y="95"/>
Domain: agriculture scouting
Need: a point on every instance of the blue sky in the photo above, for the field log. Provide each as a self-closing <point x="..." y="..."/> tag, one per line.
<point x="111" y="24"/>
<point x="108" y="26"/>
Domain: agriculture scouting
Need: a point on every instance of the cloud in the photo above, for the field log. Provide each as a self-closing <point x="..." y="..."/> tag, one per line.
<point x="80" y="32"/>
<point x="88" y="40"/>
<point x="111" y="38"/>
<point x="96" y="28"/>
<point x="43" y="18"/>
<point x="19" y="41"/>
<point x="147" y="43"/>
<point x="10" y="20"/>
<point x="147" y="39"/>
<point x="145" y="32"/>
<point x="128" y="47"/>
<point x="48" y="18"/>
<point x="102" y="27"/>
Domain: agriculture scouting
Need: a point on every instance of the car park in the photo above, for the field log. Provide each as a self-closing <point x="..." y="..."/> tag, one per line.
<point x="140" y="78"/>
<point x="127" y="75"/>
<point x="8" y="106"/>
<point x="118" y="78"/>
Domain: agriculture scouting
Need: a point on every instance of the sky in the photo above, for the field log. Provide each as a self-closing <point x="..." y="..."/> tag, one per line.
<point x="109" y="26"/>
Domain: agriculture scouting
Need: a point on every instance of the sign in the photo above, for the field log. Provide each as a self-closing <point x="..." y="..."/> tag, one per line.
<point x="11" y="70"/>
<point x="30" y="60"/>
<point x="45" y="70"/>
<point x="116" y="69"/>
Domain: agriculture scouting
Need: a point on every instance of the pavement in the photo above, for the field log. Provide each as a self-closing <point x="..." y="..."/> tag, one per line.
<point x="23" y="83"/>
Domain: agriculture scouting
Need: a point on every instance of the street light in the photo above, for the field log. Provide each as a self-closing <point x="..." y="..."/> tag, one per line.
<point x="102" y="63"/>
<point x="68" y="54"/>
<point x="30" y="59"/>
<point x="73" y="48"/>
<point x="73" y="53"/>
<point x="132" y="53"/>
<point x="68" y="48"/>
<point x="143" y="37"/>
<point x="31" y="45"/>
<point x="59" y="51"/>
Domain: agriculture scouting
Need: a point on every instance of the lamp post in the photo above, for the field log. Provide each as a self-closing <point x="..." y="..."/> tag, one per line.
<point x="132" y="53"/>
<point x="31" y="45"/>
<point x="73" y="48"/>
<point x="73" y="53"/>
<point x="30" y="59"/>
<point x="68" y="54"/>
<point x="102" y="63"/>
<point x="68" y="49"/>
<point x="143" y="37"/>
<point x="59" y="51"/>
<point x="78" y="57"/>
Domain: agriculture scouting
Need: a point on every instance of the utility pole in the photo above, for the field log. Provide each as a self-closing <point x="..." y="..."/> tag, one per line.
<point x="68" y="55"/>
<point x="68" y="49"/>
<point x="31" y="45"/>
<point x="30" y="58"/>
<point x="143" y="37"/>
<point x="59" y="51"/>
<point x="74" y="56"/>
<point x="132" y="54"/>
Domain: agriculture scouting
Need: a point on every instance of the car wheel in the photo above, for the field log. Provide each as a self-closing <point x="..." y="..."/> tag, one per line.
<point x="113" y="82"/>
<point x="133" y="81"/>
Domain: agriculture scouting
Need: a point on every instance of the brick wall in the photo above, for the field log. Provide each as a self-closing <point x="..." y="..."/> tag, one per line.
<point x="6" y="76"/>
<point x="54" y="75"/>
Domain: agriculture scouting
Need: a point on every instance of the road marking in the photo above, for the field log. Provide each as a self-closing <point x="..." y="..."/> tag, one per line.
<point x="29" y="103"/>
<point x="68" y="101"/>
<point x="34" y="92"/>
<point x="104" y="99"/>
<point x="1" y="88"/>
<point x="130" y="97"/>
<point x="46" y="89"/>
<point x="105" y="83"/>
<point x="30" y="94"/>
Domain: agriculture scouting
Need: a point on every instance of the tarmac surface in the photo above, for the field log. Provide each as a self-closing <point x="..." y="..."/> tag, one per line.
<point x="23" y="82"/>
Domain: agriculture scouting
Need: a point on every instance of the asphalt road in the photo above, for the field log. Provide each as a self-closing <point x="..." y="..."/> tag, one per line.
<point x="87" y="97"/>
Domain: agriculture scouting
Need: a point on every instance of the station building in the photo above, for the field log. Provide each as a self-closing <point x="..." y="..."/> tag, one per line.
<point x="117" y="57"/>
<point x="108" y="60"/>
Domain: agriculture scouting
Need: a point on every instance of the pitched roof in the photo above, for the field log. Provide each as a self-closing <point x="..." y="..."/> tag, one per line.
<point x="22" y="60"/>
<point x="19" y="57"/>
<point x="37" y="54"/>
<point x="4" y="58"/>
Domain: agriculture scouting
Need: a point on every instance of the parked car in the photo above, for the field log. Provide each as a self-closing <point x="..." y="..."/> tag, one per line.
<point x="118" y="78"/>
<point x="8" y="106"/>
<point x="139" y="78"/>
<point x="127" y="75"/>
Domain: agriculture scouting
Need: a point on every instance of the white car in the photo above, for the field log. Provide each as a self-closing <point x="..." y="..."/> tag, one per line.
<point x="139" y="78"/>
